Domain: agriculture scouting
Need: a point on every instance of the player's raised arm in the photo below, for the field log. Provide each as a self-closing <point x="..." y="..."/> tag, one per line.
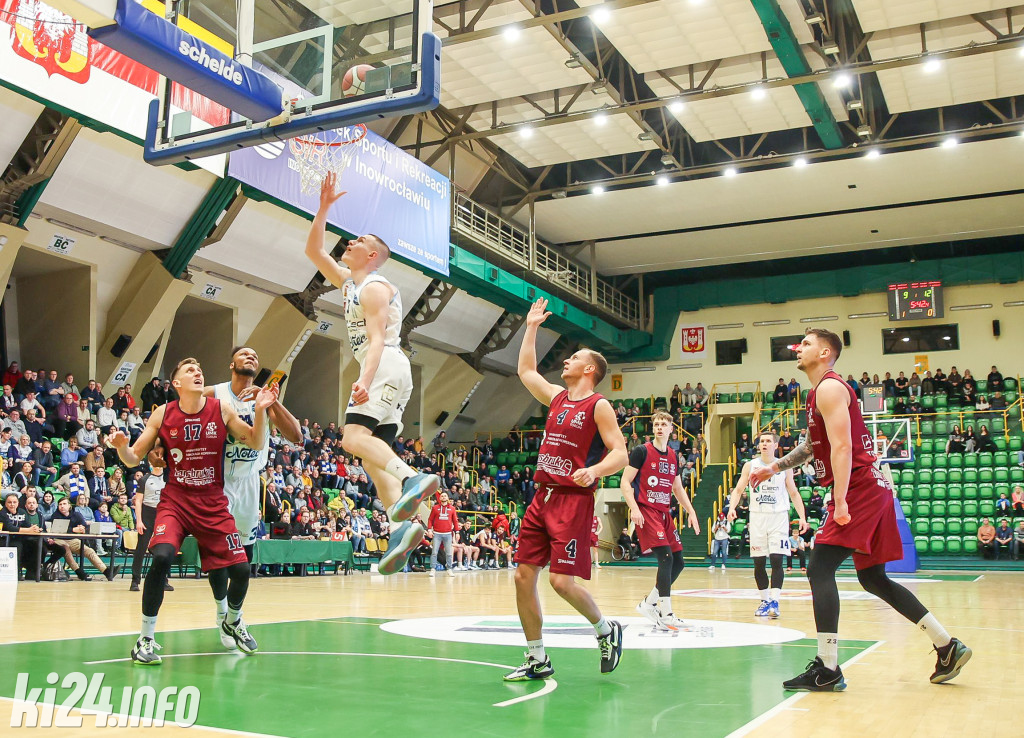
<point x="250" y="435"/>
<point x="797" y="500"/>
<point x="797" y="457"/>
<point x="316" y="252"/>
<point x="284" y="421"/>
<point x="133" y="455"/>
<point x="741" y="485"/>
<point x="539" y="387"/>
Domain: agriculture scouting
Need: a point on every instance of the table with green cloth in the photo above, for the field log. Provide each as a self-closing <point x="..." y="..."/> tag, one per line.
<point x="268" y="552"/>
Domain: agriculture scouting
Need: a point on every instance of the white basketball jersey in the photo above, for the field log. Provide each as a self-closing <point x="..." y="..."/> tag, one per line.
<point x="240" y="461"/>
<point x="357" y="337"/>
<point x="771" y="495"/>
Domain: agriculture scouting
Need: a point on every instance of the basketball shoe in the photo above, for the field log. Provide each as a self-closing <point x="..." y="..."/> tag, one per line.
<point x="404" y="540"/>
<point x="950" y="661"/>
<point x="648" y="610"/>
<point x="226" y="640"/>
<point x="817" y="678"/>
<point x="773" y="609"/>
<point x="531" y="669"/>
<point x="763" y="609"/>
<point x="145" y="652"/>
<point x="611" y="648"/>
<point x="415" y="490"/>
<point x="237" y="630"/>
<point x="670" y="622"/>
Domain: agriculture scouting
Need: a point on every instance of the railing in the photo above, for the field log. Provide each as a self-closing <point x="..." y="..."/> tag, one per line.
<point x="498" y="235"/>
<point x="735" y="388"/>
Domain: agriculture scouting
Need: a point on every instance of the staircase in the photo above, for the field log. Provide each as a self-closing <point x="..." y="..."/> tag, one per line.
<point x="695" y="548"/>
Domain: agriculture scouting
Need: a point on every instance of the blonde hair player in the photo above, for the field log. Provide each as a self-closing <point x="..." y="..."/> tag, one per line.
<point x="860" y="520"/>
<point x="373" y="313"/>
<point x="769" y="521"/>
<point x="648" y="483"/>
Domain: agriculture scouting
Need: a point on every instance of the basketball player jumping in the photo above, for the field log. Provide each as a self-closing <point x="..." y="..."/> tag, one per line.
<point x="769" y="521"/>
<point x="580" y="429"/>
<point x="860" y="519"/>
<point x="648" y="482"/>
<point x="373" y="312"/>
<point x="193" y="431"/>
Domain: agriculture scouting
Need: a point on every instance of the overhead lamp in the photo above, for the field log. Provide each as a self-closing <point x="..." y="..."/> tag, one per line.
<point x="949" y="142"/>
<point x="601" y="118"/>
<point x="842" y="80"/>
<point x="601" y="15"/>
<point x="559" y="195"/>
<point x="873" y="154"/>
<point x="800" y="162"/>
<point x="511" y="33"/>
<point x="676" y="106"/>
<point x="645" y="136"/>
<point x="932" y="65"/>
<point x="599" y="86"/>
<point x="864" y="131"/>
<point x="667" y="160"/>
<point x="814" y="18"/>
<point x="597" y="190"/>
<point x="855" y="104"/>
<point x="526" y="132"/>
<point x="661" y="180"/>
<point x="729" y="172"/>
<point x="758" y="92"/>
<point x="829" y="45"/>
<point x="573" y="62"/>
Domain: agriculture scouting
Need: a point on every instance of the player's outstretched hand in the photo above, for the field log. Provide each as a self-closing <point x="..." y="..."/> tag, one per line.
<point x="118" y="439"/>
<point x="731" y="515"/>
<point x="266" y="397"/>
<point x="156" y="456"/>
<point x="328" y="195"/>
<point x="691" y="520"/>
<point x="538" y="312"/>
<point x="637" y="517"/>
<point x="249" y="393"/>
<point x="584" y="477"/>
<point x="760" y="474"/>
<point x="842" y="513"/>
<point x="360" y="393"/>
<point x="803" y="526"/>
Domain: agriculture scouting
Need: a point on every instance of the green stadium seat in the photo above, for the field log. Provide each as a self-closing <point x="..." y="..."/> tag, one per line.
<point x="970" y="476"/>
<point x="956" y="461"/>
<point x="1011" y="397"/>
<point x="923" y="492"/>
<point x="939" y="492"/>
<point x="970" y="545"/>
<point x="906" y="492"/>
<point x="1016" y="475"/>
<point x="803" y="396"/>
<point x="517" y="468"/>
<point x="971" y="461"/>
<point x="937" y="545"/>
<point x="922" y="509"/>
<point x="955" y="475"/>
<point x="924" y="476"/>
<point x="971" y="492"/>
<point x="501" y="458"/>
<point x="953" y="545"/>
<point x="955" y="491"/>
<point x="941" y="460"/>
<point x="997" y="425"/>
<point x="492" y="470"/>
<point x="921" y="527"/>
<point x="1002" y="489"/>
<point x="986" y="475"/>
<point x="890" y="404"/>
<point x="1000" y="442"/>
<point x="927" y="427"/>
<point x="986" y="459"/>
<point x="940" y="402"/>
<point x="940" y="476"/>
<point x="986" y="508"/>
<point x="1009" y="383"/>
<point x="737" y="527"/>
<point x="954" y="526"/>
<point x="927" y="446"/>
<point x="1001" y="475"/>
<point x="971" y="525"/>
<point x="925" y="461"/>
<point x="938" y="526"/>
<point x="941" y="428"/>
<point x="928" y="402"/>
<point x="907" y="507"/>
<point x="1000" y="458"/>
<point x="805" y="493"/>
<point x="921" y="544"/>
<point x="987" y="491"/>
<point x="939" y="509"/>
<point x="954" y="508"/>
<point x="747" y="397"/>
<point x="908" y="476"/>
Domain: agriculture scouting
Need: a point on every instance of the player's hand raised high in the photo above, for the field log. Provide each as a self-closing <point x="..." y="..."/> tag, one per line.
<point x="328" y="196"/>
<point x="538" y="312"/>
<point x="266" y="397"/>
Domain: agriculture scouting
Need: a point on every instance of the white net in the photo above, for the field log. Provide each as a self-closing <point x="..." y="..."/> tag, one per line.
<point x="316" y="155"/>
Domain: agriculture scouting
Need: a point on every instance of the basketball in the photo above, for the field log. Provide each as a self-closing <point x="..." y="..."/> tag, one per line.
<point x="354" y="81"/>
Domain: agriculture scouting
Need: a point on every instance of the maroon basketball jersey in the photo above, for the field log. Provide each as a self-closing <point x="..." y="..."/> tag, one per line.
<point x="863" y="443"/>
<point x="571" y="442"/>
<point x="194" y="447"/>
<point x="653" y="481"/>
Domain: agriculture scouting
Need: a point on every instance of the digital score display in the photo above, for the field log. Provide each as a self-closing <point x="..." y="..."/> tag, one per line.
<point x="915" y="301"/>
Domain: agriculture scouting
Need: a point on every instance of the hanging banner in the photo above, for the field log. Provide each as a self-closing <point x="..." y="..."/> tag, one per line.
<point x="694" y="341"/>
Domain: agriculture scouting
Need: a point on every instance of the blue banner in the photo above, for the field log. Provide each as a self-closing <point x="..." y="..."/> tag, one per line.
<point x="389" y="193"/>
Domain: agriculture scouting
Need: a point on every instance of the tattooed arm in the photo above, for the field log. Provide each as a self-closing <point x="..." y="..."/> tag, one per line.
<point x="797" y="457"/>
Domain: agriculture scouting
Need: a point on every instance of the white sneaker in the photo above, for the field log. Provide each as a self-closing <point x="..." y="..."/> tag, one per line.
<point x="431" y="573"/>
<point x="226" y="640"/>
<point x="723" y="567"/>
<point x="451" y="572"/>
<point x="711" y="568"/>
<point x="671" y="622"/>
<point x="649" y="611"/>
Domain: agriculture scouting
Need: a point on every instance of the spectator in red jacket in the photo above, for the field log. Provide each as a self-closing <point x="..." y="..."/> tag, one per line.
<point x="443" y="522"/>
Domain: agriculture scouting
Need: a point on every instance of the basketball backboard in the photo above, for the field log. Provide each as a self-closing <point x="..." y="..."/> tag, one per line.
<point x="338" y="62"/>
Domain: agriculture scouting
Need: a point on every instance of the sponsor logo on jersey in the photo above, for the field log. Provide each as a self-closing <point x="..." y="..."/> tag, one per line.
<point x="173" y="432"/>
<point x="160" y="529"/>
<point x="177" y="455"/>
<point x="554" y="464"/>
<point x="195" y="477"/>
<point x="578" y="419"/>
<point x="819" y="468"/>
<point x="211" y="430"/>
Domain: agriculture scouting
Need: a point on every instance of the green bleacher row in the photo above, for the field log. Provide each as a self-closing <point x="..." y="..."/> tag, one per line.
<point x="931" y="402"/>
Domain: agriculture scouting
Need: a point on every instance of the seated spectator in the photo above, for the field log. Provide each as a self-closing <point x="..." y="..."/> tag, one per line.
<point x="23" y="451"/>
<point x="1018" y="540"/>
<point x="12" y="374"/>
<point x="798" y="546"/>
<point x="463" y="550"/>
<point x="99" y="490"/>
<point x="630" y="551"/>
<point x="69" y="548"/>
<point x="954" y="383"/>
<point x="153" y="395"/>
<point x="914" y="407"/>
<point x="914" y="385"/>
<point x="1004" y="537"/>
<point x="853" y="383"/>
<point x="889" y="384"/>
<point x="361" y="530"/>
<point x="985" y="442"/>
<point x="743" y="507"/>
<point x="32" y="403"/>
<point x="744" y="446"/>
<point x="794" y="389"/>
<point x="995" y="381"/>
<point x="997" y="403"/>
<point x="928" y="384"/>
<point x="94" y="460"/>
<point x="1003" y="504"/>
<point x="902" y="385"/>
<point x="970" y="440"/>
<point x="675" y="399"/>
<point x="700" y="395"/>
<point x="23" y="478"/>
<point x="982" y="404"/>
<point x="956" y="441"/>
<point x="74" y="483"/>
<point x="93" y="395"/>
<point x="25" y="385"/>
<point x="121" y="513"/>
<point x="71" y="454"/>
<point x="106" y="416"/>
<point x="48" y="505"/>
<point x="484" y="541"/>
<point x="786" y="442"/>
<point x="781" y="393"/>
<point x="987" y="539"/>
<point x="1017" y="500"/>
<point x="7" y="401"/>
<point x="88" y="438"/>
<point x="816" y="505"/>
<point x="900" y="408"/>
<point x="136" y="424"/>
<point x="13" y="519"/>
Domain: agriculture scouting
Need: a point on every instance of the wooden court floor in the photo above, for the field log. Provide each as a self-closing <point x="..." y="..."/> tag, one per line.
<point x="373" y="655"/>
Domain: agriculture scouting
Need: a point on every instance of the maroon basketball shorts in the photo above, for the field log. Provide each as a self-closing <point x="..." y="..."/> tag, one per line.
<point x="205" y="516"/>
<point x="658" y="530"/>
<point x="557" y="529"/>
<point x="872" y="532"/>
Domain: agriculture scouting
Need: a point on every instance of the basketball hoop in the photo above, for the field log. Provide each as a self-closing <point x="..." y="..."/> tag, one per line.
<point x="315" y="155"/>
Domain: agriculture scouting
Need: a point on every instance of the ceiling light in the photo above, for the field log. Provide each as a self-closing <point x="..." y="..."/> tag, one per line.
<point x="759" y="92"/>
<point x="842" y="80"/>
<point x="932" y="65"/>
<point x="601" y="118"/>
<point x="906" y="339"/>
<point x="945" y="338"/>
<point x="854" y="104"/>
<point x="667" y="160"/>
<point x="662" y="180"/>
<point x="864" y="131"/>
<point x="599" y="86"/>
<point x="829" y="46"/>
<point x="950" y="142"/>
<point x="597" y="190"/>
<point x="676" y="106"/>
<point x="645" y="136"/>
<point x="526" y="132"/>
<point x="601" y="15"/>
<point x="800" y="162"/>
<point x="511" y="33"/>
<point x="873" y="153"/>
<point x="559" y="195"/>
<point x="814" y="18"/>
<point x="729" y="171"/>
<point x="573" y="62"/>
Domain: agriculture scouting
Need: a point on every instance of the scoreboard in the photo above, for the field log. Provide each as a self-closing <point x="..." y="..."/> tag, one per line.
<point x="915" y="301"/>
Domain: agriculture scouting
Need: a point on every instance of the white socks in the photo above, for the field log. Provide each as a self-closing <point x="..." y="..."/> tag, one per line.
<point x="399" y="469"/>
<point x="601" y="627"/>
<point x="233" y="616"/>
<point x="536" y="650"/>
<point x="148" y="626"/>
<point x="222" y="609"/>
<point x="775" y="592"/>
<point x="665" y="605"/>
<point x="652" y="598"/>
<point x="828" y="649"/>
<point x="933" y="628"/>
<point x="766" y="595"/>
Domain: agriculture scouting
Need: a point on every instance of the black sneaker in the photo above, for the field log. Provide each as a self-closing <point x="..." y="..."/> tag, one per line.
<point x="134" y="586"/>
<point x="168" y="587"/>
<point x="80" y="572"/>
<point x="948" y="665"/>
<point x="531" y="669"/>
<point x="237" y="630"/>
<point x="817" y="678"/>
<point x="111" y="572"/>
<point x="145" y="652"/>
<point x="611" y="648"/>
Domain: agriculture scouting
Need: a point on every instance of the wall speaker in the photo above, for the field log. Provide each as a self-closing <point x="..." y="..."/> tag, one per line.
<point x="846" y="338"/>
<point x="743" y="345"/>
<point x="441" y="418"/>
<point x="152" y="353"/>
<point x="121" y="345"/>
<point x="995" y="328"/>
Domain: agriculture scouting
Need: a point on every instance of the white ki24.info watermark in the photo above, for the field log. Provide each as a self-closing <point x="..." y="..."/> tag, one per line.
<point x="52" y="706"/>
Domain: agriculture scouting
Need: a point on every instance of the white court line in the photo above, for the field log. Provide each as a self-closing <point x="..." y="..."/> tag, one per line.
<point x="550" y="686"/>
<point x="787" y="704"/>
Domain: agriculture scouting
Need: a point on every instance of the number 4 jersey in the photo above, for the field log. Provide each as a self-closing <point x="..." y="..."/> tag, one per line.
<point x="571" y="442"/>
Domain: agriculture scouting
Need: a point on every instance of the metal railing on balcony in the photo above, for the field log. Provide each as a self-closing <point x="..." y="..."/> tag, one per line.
<point x="498" y="235"/>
